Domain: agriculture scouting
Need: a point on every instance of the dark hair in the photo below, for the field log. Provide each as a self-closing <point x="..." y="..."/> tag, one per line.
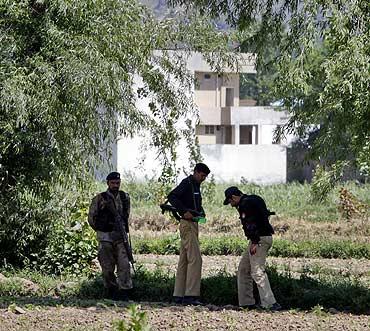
<point x="201" y="167"/>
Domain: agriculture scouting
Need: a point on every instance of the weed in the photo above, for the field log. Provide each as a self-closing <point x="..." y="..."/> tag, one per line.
<point x="138" y="321"/>
<point x="319" y="311"/>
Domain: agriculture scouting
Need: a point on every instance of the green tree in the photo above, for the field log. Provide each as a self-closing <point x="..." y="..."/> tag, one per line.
<point x="321" y="66"/>
<point x="67" y="91"/>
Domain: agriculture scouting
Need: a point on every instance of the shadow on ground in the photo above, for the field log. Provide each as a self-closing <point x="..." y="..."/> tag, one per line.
<point x="339" y="293"/>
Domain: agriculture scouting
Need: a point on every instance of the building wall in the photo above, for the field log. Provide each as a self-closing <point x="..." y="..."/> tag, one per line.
<point x="257" y="115"/>
<point x="260" y="164"/>
<point x="257" y="161"/>
<point x="213" y="90"/>
<point x="207" y="90"/>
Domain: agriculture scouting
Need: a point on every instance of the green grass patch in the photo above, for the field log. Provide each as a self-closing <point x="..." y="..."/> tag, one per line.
<point x="229" y="245"/>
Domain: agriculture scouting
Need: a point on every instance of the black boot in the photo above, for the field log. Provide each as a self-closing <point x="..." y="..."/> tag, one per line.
<point x="112" y="293"/>
<point x="177" y="300"/>
<point x="123" y="295"/>
<point x="191" y="300"/>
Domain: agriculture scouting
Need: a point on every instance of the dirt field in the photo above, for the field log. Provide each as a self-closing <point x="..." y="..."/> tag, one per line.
<point x="100" y="314"/>
<point x="167" y="317"/>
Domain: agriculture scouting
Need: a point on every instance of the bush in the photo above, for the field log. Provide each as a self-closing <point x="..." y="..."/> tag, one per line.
<point x="71" y="246"/>
<point x="25" y="218"/>
<point x="49" y="230"/>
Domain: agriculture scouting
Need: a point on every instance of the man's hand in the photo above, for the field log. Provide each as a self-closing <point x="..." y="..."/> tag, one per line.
<point x="253" y="249"/>
<point x="188" y="216"/>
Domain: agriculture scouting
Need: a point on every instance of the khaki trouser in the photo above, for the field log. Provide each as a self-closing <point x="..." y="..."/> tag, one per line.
<point x="252" y="268"/>
<point x="110" y="255"/>
<point x="189" y="269"/>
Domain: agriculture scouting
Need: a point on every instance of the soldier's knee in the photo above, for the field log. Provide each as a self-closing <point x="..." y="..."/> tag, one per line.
<point x="258" y="274"/>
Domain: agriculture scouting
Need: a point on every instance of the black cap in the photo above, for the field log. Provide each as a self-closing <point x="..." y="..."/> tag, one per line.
<point x="113" y="175"/>
<point x="201" y="167"/>
<point x="232" y="190"/>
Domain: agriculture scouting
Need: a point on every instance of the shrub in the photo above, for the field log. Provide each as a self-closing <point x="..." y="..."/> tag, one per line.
<point x="71" y="247"/>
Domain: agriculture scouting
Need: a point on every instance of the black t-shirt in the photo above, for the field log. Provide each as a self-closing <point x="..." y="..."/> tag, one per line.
<point x="254" y="217"/>
<point x="186" y="196"/>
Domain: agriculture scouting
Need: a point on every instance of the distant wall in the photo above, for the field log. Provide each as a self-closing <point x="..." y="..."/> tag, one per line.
<point x="260" y="164"/>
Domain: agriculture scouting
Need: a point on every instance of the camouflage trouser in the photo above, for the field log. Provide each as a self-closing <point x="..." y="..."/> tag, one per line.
<point x="110" y="256"/>
<point x="189" y="269"/>
<point x="252" y="268"/>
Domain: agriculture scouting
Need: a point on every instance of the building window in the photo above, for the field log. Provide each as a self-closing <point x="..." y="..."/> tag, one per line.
<point x="248" y="134"/>
<point x="210" y="129"/>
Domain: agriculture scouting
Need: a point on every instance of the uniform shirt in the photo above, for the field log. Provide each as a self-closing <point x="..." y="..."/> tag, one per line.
<point x="97" y="205"/>
<point x="186" y="196"/>
<point x="254" y="217"/>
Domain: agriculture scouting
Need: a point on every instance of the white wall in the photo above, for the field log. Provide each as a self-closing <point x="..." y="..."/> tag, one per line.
<point x="266" y="134"/>
<point x="142" y="162"/>
<point x="257" y="115"/>
<point x="260" y="164"/>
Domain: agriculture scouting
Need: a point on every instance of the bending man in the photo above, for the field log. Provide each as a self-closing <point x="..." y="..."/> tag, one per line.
<point x="254" y="218"/>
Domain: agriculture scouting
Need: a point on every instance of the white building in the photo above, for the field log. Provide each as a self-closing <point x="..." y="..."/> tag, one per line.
<point x="235" y="135"/>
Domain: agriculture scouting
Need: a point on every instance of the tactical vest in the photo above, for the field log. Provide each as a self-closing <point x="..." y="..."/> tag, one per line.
<point x="105" y="221"/>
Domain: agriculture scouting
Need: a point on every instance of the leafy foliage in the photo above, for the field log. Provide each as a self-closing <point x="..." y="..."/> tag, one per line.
<point x="71" y="245"/>
<point x="318" y="52"/>
<point x="67" y="80"/>
<point x="68" y="90"/>
<point x="324" y="181"/>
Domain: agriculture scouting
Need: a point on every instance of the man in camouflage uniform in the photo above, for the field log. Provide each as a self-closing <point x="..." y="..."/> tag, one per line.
<point x="111" y="251"/>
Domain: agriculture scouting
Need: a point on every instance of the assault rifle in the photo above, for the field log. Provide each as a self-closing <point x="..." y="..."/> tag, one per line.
<point x="198" y="216"/>
<point x="126" y="239"/>
<point x="120" y="227"/>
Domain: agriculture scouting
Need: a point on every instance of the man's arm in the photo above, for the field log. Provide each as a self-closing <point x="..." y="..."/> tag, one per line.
<point x="93" y="212"/>
<point x="177" y="195"/>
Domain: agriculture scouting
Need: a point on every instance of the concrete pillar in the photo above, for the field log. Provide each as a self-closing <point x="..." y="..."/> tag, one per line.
<point x="237" y="134"/>
<point x="217" y="92"/>
<point x="254" y="134"/>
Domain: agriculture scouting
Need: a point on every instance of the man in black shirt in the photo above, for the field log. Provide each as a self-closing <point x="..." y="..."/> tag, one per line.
<point x="187" y="199"/>
<point x="254" y="217"/>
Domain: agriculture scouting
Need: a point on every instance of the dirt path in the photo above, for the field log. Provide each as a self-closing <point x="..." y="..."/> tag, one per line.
<point x="167" y="317"/>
